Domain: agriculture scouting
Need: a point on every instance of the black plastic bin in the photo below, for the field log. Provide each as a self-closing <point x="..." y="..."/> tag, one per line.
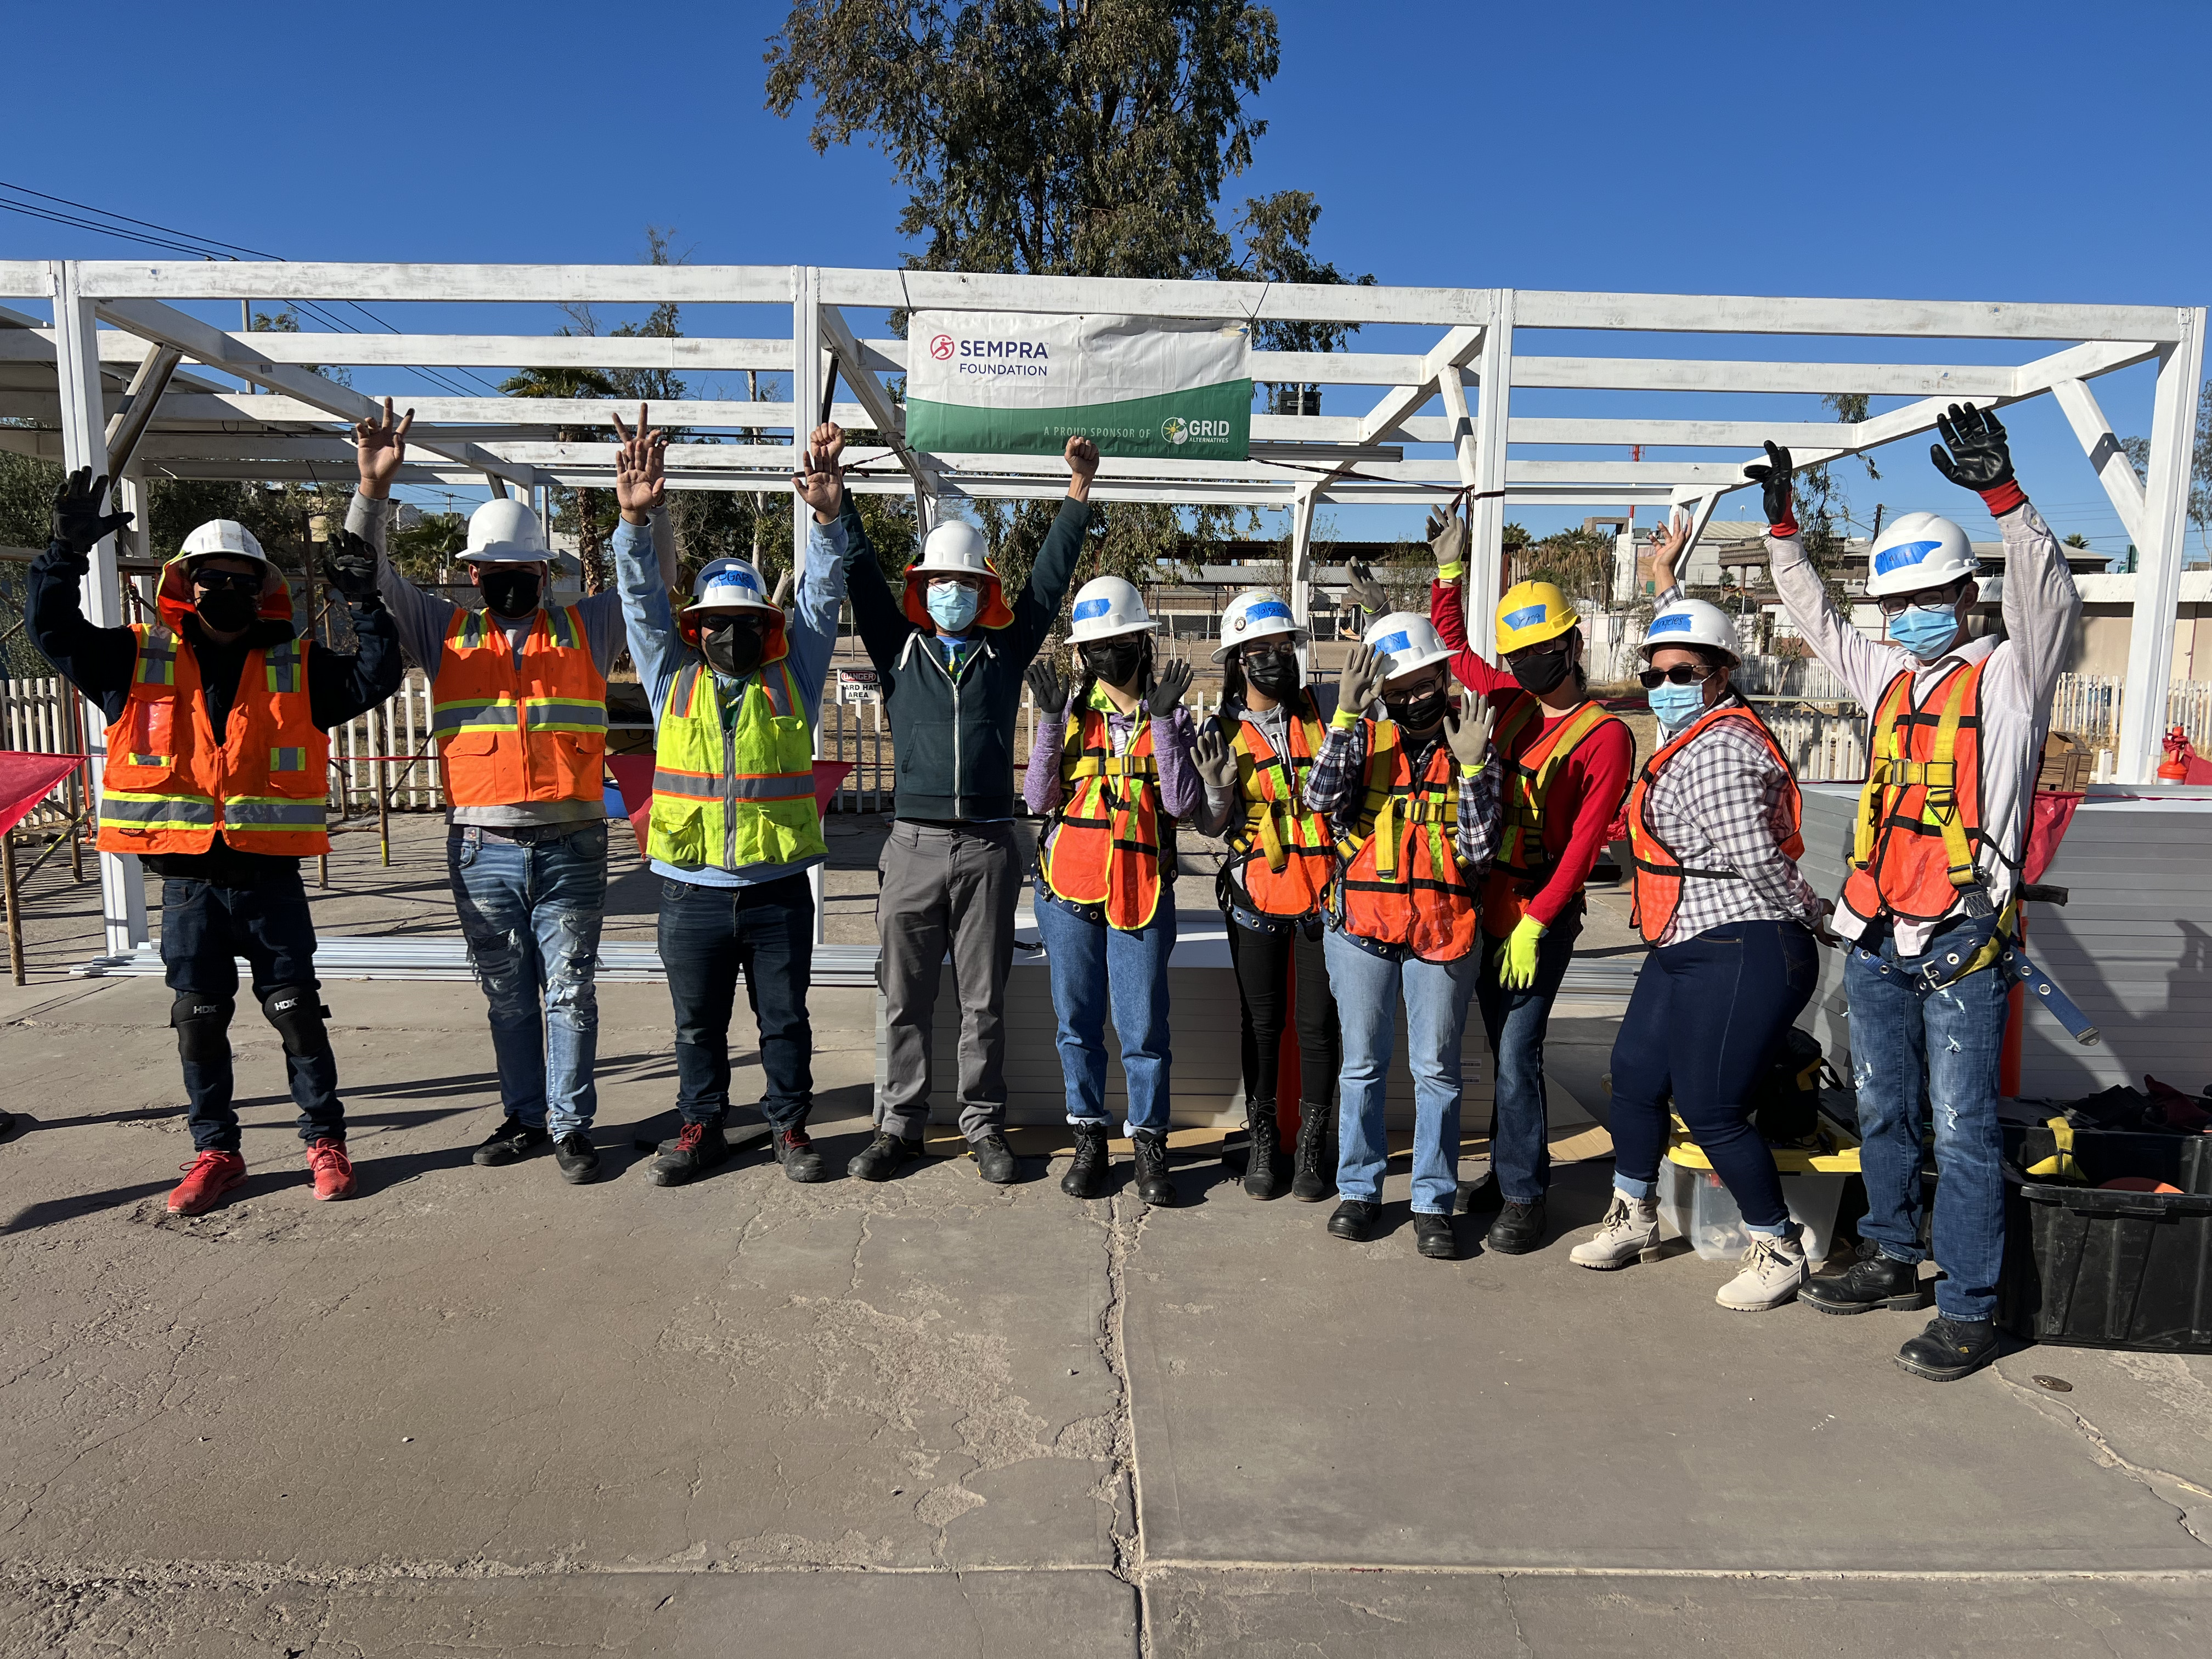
<point x="2110" y="1269"/>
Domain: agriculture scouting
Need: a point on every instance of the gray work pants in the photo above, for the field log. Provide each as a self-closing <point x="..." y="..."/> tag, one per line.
<point x="940" y="886"/>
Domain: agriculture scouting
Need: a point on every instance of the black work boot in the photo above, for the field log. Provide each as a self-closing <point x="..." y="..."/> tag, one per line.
<point x="1518" y="1229"/>
<point x="884" y="1157"/>
<point x="1432" y="1237"/>
<point x="1262" y="1177"/>
<point x="510" y="1143"/>
<point x="1354" y="1219"/>
<point x="1152" y="1184"/>
<point x="578" y="1158"/>
<point x="995" y="1159"/>
<point x="1086" y="1171"/>
<point x="1871" y="1281"/>
<point x="697" y="1148"/>
<point x="1950" y="1349"/>
<point x="1315" y="1178"/>
<point x="794" y="1150"/>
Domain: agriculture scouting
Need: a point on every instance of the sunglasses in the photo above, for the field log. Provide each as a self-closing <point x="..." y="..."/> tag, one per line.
<point x="1680" y="674"/>
<point x="227" y="582"/>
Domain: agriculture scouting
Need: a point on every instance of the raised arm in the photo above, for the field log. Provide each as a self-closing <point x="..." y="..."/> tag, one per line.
<point x="380" y="447"/>
<point x="640" y="486"/>
<point x="1864" y="666"/>
<point x="813" y="629"/>
<point x="882" y="622"/>
<point x="98" y="661"/>
<point x="1038" y="602"/>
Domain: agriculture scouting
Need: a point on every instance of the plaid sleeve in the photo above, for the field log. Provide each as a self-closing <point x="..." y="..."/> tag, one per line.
<point x="1332" y="787"/>
<point x="1480" y="814"/>
<point x="1731" y="787"/>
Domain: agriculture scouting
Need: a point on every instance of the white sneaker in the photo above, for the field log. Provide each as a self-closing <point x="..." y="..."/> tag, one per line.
<point x="1630" y="1233"/>
<point x="1773" y="1268"/>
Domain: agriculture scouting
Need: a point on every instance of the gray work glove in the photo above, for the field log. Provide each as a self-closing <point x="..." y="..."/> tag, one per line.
<point x="1448" y="541"/>
<point x="1366" y="592"/>
<point x="1467" y="730"/>
<point x="1364" y="670"/>
<point x="1170" y="681"/>
<point x="1215" y="761"/>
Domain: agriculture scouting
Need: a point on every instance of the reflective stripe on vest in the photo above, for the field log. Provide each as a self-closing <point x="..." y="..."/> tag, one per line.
<point x="1920" y="813"/>
<point x="1402" y="883"/>
<point x="1659" y="873"/>
<point x="170" y="787"/>
<point x="543" y="711"/>
<point x="1283" y="853"/>
<point x="1105" y="847"/>
<point x="1533" y="750"/>
<point x="734" y="795"/>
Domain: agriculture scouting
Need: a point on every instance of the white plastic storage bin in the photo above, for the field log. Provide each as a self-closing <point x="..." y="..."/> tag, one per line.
<point x="1695" y="1206"/>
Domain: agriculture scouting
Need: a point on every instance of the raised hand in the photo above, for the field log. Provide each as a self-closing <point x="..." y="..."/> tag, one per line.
<point x="1050" y="690"/>
<point x="1364" y="670"/>
<point x="1467" y="730"/>
<point x="641" y="478"/>
<point x="1366" y="592"/>
<point x="1448" y="540"/>
<point x="1170" y="682"/>
<point x="1082" y="457"/>
<point x="1979" y="456"/>
<point x="1216" y="763"/>
<point x="1772" y="476"/>
<point x="350" y="565"/>
<point x="379" y="448"/>
<point x="78" y="524"/>
<point x="821" y="486"/>
<point x="1668" y="549"/>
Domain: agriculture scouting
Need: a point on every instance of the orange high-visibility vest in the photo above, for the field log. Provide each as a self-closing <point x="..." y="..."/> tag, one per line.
<point x="1920" y="814"/>
<point x="1106" y="847"/>
<point x="1402" y="880"/>
<point x="1282" y="852"/>
<point x="1659" y="872"/>
<point x="515" y="729"/>
<point x="170" y="786"/>
<point x="1534" y="749"/>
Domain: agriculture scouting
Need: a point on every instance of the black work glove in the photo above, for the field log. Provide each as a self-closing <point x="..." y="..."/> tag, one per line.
<point x="1170" y="682"/>
<point x="78" y="523"/>
<point x="1772" y="477"/>
<point x="1048" y="688"/>
<point x="1977" y="458"/>
<point x="351" y="565"/>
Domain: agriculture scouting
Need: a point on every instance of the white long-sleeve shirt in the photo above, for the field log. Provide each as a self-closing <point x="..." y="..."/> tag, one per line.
<point x="2040" y="608"/>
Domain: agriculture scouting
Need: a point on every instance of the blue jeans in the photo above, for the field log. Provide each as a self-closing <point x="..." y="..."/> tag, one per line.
<point x="1901" y="1034"/>
<point x="708" y="936"/>
<point x="1699" y="1031"/>
<point x="531" y="914"/>
<point x="1093" y="964"/>
<point x="204" y="928"/>
<point x="1366" y="988"/>
<point x="1515" y="1021"/>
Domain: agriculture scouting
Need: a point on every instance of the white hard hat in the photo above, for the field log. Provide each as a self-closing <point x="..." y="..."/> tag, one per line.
<point x="226" y="537"/>
<point x="955" y="548"/>
<point x="1106" y="606"/>
<point x="1692" y="622"/>
<point x="729" y="584"/>
<point x="1919" y="550"/>
<point x="1409" y="639"/>
<point x="504" y="530"/>
<point x="1255" y="615"/>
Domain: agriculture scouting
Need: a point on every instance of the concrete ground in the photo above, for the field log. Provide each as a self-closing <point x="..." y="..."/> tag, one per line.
<point x="477" y="1411"/>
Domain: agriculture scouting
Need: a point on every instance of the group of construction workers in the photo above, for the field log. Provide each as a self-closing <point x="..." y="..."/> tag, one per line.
<point x="1397" y="844"/>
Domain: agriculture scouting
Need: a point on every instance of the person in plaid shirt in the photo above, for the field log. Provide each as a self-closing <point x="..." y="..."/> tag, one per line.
<point x="1713" y="821"/>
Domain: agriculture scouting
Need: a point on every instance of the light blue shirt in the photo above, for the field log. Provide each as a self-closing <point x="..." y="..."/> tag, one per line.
<point x="810" y="636"/>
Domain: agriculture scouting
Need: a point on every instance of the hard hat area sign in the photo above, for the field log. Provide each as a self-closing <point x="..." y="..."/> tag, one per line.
<point x="1012" y="384"/>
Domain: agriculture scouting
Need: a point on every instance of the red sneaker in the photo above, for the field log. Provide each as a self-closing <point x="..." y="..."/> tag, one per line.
<point x="332" y="1167"/>
<point x="207" y="1178"/>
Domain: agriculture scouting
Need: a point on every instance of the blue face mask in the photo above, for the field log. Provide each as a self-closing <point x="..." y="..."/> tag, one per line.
<point x="1924" y="630"/>
<point x="1675" y="706"/>
<point x="952" y="606"/>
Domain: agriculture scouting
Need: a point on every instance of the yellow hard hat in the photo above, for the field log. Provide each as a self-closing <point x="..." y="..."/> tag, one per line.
<point x="1532" y="612"/>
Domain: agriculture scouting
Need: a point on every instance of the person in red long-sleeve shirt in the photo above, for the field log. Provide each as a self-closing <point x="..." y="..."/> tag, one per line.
<point x="1568" y="770"/>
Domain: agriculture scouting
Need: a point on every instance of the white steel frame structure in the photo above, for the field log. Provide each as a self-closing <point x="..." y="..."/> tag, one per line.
<point x="113" y="398"/>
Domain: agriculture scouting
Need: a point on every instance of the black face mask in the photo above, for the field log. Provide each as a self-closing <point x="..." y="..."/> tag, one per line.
<point x="1419" y="713"/>
<point x="1115" y="661"/>
<point x="1273" y="673"/>
<point x="227" y="611"/>
<point x="511" y="592"/>
<point x="1540" y="673"/>
<point x="734" y="648"/>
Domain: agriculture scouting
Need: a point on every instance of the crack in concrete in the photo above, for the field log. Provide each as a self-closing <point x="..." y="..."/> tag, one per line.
<point x="2112" y="1457"/>
<point x="1122" y="1478"/>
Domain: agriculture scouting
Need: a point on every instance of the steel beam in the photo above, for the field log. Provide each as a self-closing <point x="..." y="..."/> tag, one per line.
<point x="1486" y="509"/>
<point x="2159" y="553"/>
<point x="2114" y="469"/>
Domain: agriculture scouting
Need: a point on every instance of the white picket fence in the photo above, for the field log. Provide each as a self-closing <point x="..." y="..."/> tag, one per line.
<point x="35" y="719"/>
<point x="2087" y="706"/>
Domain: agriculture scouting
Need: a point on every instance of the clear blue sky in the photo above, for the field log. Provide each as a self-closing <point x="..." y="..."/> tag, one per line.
<point x="2027" y="151"/>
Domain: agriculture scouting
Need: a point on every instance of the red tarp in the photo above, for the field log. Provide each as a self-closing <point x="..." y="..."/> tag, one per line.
<point x="2054" y="811"/>
<point x="26" y="779"/>
<point x="634" y="777"/>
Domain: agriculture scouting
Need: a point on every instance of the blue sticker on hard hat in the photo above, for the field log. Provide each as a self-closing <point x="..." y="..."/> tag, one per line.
<point x="1272" y="608"/>
<point x="1397" y="641"/>
<point x="1677" y="623"/>
<point x="1086" y="609"/>
<point x="1904" y="553"/>
<point x="1527" y="616"/>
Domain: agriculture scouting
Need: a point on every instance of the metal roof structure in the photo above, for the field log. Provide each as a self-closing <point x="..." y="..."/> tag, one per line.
<point x="102" y="388"/>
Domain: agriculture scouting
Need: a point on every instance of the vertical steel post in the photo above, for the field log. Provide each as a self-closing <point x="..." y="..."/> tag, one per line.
<point x="805" y="397"/>
<point x="1301" y="562"/>
<point x="1487" y="512"/>
<point x="2159" y="553"/>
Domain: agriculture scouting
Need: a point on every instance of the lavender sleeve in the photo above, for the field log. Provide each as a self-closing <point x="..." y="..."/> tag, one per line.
<point x="1181" y="794"/>
<point x="1041" y="785"/>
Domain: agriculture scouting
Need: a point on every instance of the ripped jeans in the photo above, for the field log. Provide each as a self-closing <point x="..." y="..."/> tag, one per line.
<point x="1911" y="1045"/>
<point x="532" y="916"/>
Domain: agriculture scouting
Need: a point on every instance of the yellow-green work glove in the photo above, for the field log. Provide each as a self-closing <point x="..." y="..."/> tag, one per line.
<point x="1517" y="971"/>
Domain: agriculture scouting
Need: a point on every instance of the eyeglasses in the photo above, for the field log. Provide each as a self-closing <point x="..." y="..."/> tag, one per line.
<point x="1680" y="674"/>
<point x="227" y="582"/>
<point x="1535" y="652"/>
<point x="1894" y="604"/>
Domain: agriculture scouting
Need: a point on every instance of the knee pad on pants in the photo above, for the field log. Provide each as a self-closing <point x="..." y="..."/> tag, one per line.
<point x="298" y="1014"/>
<point x="203" y="1027"/>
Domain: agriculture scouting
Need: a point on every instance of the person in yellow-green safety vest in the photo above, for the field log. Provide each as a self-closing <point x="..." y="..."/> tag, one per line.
<point x="735" y="689"/>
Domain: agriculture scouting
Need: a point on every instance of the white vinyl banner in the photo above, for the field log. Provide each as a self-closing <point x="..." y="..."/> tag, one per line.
<point x="1009" y="384"/>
